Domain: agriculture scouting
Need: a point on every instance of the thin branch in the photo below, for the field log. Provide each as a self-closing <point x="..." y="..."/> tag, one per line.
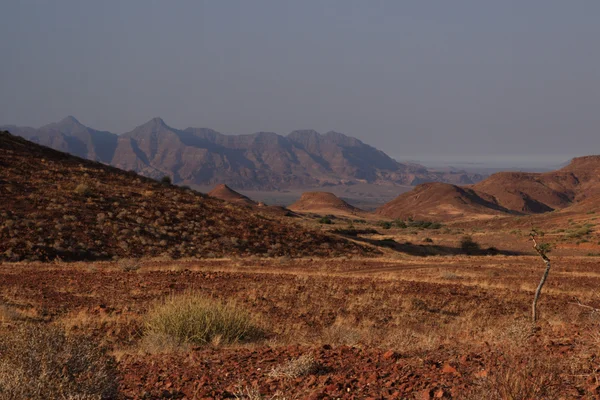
<point x="580" y="304"/>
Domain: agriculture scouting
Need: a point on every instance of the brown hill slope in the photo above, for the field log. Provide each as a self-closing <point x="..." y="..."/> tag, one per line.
<point x="225" y="193"/>
<point x="57" y="205"/>
<point x="323" y="202"/>
<point x="504" y="192"/>
<point x="262" y="160"/>
<point x="441" y="201"/>
<point x="530" y="193"/>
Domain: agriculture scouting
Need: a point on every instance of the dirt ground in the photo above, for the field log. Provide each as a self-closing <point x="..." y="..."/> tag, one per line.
<point x="403" y="326"/>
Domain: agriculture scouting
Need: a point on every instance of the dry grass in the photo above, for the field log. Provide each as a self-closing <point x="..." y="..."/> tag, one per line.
<point x="516" y="379"/>
<point x="41" y="362"/>
<point x="245" y="392"/>
<point x="296" y="368"/>
<point x="192" y="318"/>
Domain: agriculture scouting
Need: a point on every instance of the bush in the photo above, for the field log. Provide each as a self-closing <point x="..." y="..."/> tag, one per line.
<point x="193" y="319"/>
<point x="41" y="362"/>
<point x="166" y="180"/>
<point x="325" y="220"/>
<point x="400" y="224"/>
<point x="83" y="189"/>
<point x="428" y="240"/>
<point x="469" y="246"/>
<point x="385" y="224"/>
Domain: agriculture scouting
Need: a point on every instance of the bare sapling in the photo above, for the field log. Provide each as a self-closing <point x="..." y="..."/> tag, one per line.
<point x="541" y="250"/>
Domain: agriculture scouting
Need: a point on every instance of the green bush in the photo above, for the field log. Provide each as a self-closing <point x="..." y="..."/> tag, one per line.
<point x="194" y="319"/>
<point x="326" y="221"/>
<point x="166" y="180"/>
<point x="41" y="362"/>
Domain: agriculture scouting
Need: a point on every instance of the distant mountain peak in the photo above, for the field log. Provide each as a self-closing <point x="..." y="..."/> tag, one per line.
<point x="155" y="122"/>
<point x="70" y="120"/>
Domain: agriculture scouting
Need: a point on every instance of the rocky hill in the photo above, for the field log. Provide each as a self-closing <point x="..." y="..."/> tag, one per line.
<point x="225" y="193"/>
<point x="262" y="160"/>
<point x="323" y="202"/>
<point x="441" y="201"/>
<point x="55" y="205"/>
<point x="504" y="193"/>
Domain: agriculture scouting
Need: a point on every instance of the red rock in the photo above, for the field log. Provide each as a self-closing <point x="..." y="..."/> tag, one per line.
<point x="391" y="355"/>
<point x="449" y="369"/>
<point x="423" y="395"/>
<point x="439" y="394"/>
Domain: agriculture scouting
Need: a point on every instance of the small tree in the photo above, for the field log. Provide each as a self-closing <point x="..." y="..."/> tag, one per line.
<point x="542" y="249"/>
<point x="166" y="180"/>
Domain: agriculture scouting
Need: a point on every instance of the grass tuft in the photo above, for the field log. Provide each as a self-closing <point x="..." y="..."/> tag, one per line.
<point x="191" y="318"/>
<point x="296" y="368"/>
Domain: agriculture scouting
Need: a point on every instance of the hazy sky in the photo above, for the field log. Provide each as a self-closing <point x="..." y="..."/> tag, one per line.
<point x="443" y="78"/>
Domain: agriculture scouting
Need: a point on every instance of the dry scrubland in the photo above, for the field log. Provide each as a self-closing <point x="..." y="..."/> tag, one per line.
<point x="397" y="326"/>
<point x="190" y="297"/>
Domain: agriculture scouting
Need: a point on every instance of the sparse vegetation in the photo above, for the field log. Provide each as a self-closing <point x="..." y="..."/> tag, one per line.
<point x="385" y="224"/>
<point x="325" y="221"/>
<point x="166" y="180"/>
<point x="191" y="318"/>
<point x="410" y="223"/>
<point x="41" y="362"/>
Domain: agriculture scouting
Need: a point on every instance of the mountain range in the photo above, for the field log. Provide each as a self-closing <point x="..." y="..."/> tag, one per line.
<point x="263" y="160"/>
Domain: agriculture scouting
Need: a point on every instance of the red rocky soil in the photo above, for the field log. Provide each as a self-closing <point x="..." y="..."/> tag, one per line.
<point x="410" y="333"/>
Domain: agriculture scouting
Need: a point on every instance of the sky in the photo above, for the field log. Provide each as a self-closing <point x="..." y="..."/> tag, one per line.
<point x="417" y="79"/>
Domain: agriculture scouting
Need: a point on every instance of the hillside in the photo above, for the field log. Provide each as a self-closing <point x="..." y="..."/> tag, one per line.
<point x="55" y="205"/>
<point x="263" y="160"/>
<point x="323" y="202"/>
<point x="504" y="193"/>
<point x="441" y="201"/>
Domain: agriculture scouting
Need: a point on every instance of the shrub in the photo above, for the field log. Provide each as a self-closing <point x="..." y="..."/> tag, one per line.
<point x="41" y="362"/>
<point x="385" y="224"/>
<point x="428" y="240"/>
<point x="166" y="180"/>
<point x="469" y="246"/>
<point x="83" y="189"/>
<point x="194" y="319"/>
<point x="400" y="224"/>
<point x="325" y="220"/>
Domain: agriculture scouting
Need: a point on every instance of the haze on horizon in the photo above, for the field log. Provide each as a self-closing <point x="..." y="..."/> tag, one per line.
<point x="441" y="79"/>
